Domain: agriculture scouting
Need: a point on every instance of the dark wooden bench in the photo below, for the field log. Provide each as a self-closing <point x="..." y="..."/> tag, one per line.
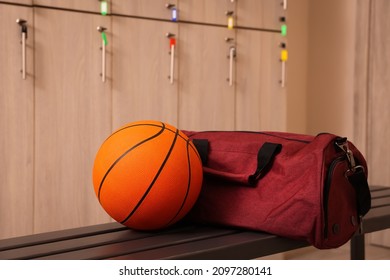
<point x="113" y="241"/>
<point x="184" y="241"/>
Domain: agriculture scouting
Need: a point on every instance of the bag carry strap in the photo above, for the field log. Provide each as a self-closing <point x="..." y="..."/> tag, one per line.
<point x="265" y="158"/>
<point x="363" y="196"/>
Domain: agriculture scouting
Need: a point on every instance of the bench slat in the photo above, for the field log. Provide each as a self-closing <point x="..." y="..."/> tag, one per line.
<point x="151" y="241"/>
<point x="380" y="202"/>
<point x="48" y="237"/>
<point x="69" y="245"/>
<point x="244" y="245"/>
<point x="378" y="191"/>
<point x="377" y="219"/>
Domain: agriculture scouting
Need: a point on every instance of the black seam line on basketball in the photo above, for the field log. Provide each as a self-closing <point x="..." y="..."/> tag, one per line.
<point x="174" y="131"/>
<point x="154" y="179"/>
<point x="151" y="124"/>
<point x="124" y="154"/>
<point x="134" y="125"/>
<point x="186" y="139"/>
<point x="194" y="149"/>
<point x="188" y="185"/>
<point x="147" y="124"/>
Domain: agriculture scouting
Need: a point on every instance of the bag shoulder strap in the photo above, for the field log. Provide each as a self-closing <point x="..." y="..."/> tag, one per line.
<point x="363" y="195"/>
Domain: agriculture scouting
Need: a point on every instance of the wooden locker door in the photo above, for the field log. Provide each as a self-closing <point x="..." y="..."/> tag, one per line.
<point x="378" y="136"/>
<point x="207" y="11"/>
<point x="72" y="116"/>
<point x="159" y="9"/>
<point x="261" y="14"/>
<point x="378" y="96"/>
<point x="206" y="99"/>
<point x="24" y="2"/>
<point x="80" y="5"/>
<point x="141" y="66"/>
<point x="260" y="98"/>
<point x="16" y="123"/>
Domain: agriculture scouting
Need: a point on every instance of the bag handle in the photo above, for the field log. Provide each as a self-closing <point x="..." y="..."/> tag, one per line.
<point x="265" y="158"/>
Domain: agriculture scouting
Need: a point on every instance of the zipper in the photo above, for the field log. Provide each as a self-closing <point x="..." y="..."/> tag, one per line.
<point x="279" y="136"/>
<point x="328" y="183"/>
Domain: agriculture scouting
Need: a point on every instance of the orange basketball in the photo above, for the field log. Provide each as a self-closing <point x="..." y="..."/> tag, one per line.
<point x="147" y="175"/>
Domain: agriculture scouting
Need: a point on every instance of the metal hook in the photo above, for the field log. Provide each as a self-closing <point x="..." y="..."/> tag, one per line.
<point x="229" y="13"/>
<point x="170" y="6"/>
<point x="101" y="29"/>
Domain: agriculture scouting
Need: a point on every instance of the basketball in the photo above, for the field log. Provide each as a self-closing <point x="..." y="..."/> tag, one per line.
<point x="147" y="175"/>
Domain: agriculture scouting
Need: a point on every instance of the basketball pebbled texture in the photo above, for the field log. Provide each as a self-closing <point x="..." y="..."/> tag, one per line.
<point x="147" y="175"/>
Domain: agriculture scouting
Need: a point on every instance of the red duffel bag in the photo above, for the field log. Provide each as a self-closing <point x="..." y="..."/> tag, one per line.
<point x="292" y="185"/>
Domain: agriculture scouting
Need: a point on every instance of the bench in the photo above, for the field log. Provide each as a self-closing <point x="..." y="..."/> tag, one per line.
<point x="378" y="218"/>
<point x="183" y="241"/>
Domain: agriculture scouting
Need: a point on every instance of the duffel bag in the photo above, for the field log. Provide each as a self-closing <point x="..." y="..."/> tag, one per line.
<point x="297" y="186"/>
